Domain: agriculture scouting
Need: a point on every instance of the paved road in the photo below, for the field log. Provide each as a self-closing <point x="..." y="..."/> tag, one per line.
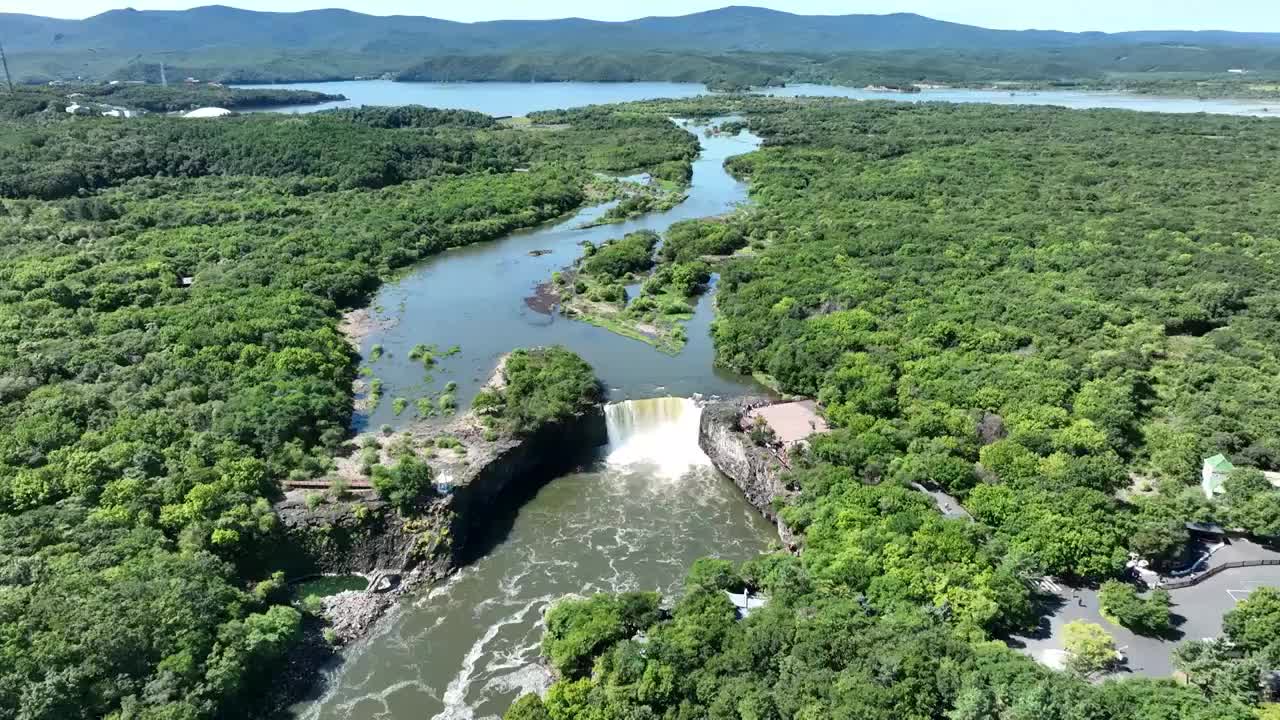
<point x="1200" y="607"/>
<point x="947" y="505"/>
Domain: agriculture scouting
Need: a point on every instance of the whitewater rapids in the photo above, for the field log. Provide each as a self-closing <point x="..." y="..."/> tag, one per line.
<point x="635" y="520"/>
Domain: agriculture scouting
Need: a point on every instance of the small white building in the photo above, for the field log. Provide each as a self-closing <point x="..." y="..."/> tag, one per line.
<point x="745" y="602"/>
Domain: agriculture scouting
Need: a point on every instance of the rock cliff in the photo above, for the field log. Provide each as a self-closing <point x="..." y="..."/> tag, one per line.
<point x="755" y="470"/>
<point x="483" y="481"/>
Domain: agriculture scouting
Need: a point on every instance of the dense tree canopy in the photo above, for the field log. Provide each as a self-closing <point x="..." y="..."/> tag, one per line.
<point x="1052" y="315"/>
<point x="540" y="387"/>
<point x="1025" y="306"/>
<point x="169" y="300"/>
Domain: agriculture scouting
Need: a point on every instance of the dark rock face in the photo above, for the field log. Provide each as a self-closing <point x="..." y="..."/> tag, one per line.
<point x="363" y="535"/>
<point x="755" y="470"/>
<point x="486" y="497"/>
<point x="352" y="537"/>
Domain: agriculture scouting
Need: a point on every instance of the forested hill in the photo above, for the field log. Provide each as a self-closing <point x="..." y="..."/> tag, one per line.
<point x="730" y="28"/>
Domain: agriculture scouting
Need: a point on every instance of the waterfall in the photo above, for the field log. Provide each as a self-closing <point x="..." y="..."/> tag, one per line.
<point x="659" y="433"/>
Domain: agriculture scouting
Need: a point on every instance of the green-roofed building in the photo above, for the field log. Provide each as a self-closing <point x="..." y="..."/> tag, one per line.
<point x="1214" y="474"/>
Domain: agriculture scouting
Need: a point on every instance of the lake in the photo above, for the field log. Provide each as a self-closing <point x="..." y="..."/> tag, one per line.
<point x="496" y="98"/>
<point x="502" y="98"/>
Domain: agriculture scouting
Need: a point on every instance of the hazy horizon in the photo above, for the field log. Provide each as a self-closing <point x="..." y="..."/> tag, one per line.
<point x="1084" y="15"/>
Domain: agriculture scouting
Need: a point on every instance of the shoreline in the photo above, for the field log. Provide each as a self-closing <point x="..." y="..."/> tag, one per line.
<point x="922" y="88"/>
<point x="479" y="477"/>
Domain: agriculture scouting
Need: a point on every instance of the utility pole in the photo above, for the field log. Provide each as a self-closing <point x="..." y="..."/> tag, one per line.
<point x="5" y="62"/>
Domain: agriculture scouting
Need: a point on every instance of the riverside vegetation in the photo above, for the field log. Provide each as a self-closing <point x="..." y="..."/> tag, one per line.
<point x="169" y="303"/>
<point x="670" y="277"/>
<point x="1050" y="314"/>
<point x="1024" y="306"/>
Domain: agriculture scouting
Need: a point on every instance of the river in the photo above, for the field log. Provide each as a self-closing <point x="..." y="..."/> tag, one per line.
<point x="474" y="297"/>
<point x="505" y="98"/>
<point x="633" y="519"/>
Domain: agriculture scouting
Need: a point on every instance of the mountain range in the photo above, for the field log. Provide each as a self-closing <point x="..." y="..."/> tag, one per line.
<point x="728" y="29"/>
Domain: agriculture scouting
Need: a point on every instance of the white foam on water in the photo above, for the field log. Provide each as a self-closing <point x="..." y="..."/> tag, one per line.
<point x="455" y="695"/>
<point x="529" y="678"/>
<point x="660" y="434"/>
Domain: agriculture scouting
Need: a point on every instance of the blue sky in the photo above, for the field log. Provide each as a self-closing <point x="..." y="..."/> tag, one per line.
<point x="1107" y="15"/>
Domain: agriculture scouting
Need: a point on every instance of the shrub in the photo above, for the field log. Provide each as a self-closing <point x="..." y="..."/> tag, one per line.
<point x="403" y="484"/>
<point x="761" y="434"/>
<point x="313" y="604"/>
<point x="425" y="354"/>
<point x="339" y="487"/>
<point x="676" y="307"/>
<point x="643" y="304"/>
<point x="368" y="459"/>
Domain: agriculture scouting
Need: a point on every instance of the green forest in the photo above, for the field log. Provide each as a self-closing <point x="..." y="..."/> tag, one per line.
<point x="1053" y="315"/>
<point x="169" y="303"/>
<point x="150" y="98"/>
<point x="1156" y="69"/>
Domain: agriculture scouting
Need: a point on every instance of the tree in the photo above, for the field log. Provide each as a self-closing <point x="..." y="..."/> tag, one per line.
<point x="579" y="630"/>
<point x="1162" y="541"/>
<point x="1259" y="514"/>
<point x="1269" y="711"/>
<point x="1244" y="483"/>
<point x="527" y="707"/>
<point x="1089" y="648"/>
<point x="1219" y="670"/>
<point x="1121" y="604"/>
<point x="1254" y="625"/>
<point x="859" y="384"/>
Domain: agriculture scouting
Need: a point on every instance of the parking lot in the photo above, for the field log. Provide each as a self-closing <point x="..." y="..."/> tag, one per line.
<point x="1198" y="612"/>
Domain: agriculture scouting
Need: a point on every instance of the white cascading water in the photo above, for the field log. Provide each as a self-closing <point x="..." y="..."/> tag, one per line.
<point x="660" y="434"/>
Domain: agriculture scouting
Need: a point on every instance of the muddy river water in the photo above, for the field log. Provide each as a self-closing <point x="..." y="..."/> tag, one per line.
<point x="633" y="519"/>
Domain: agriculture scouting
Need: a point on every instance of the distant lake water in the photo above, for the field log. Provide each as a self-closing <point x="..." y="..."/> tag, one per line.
<point x="504" y="98"/>
<point x="1074" y="99"/>
<point x="492" y="98"/>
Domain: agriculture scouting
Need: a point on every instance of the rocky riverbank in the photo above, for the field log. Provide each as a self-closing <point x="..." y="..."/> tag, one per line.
<point x="480" y="477"/>
<point x="756" y="470"/>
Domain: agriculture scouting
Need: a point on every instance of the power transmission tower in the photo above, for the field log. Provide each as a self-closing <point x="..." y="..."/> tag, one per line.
<point x="5" y="62"/>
